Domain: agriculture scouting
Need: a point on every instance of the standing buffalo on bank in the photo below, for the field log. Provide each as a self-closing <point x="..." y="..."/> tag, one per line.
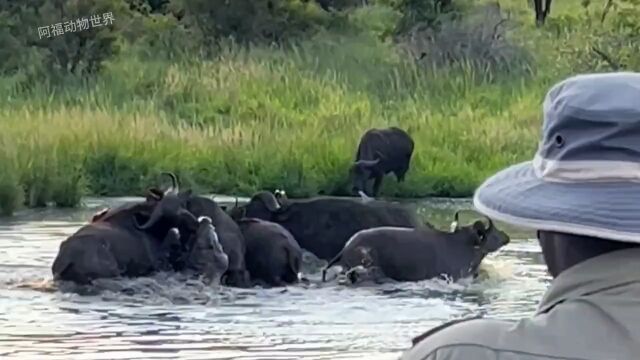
<point x="418" y="254"/>
<point x="380" y="152"/>
<point x="323" y="225"/>
<point x="138" y="239"/>
<point x="273" y="256"/>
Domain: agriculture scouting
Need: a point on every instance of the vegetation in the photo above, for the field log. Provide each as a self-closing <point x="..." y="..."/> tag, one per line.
<point x="246" y="95"/>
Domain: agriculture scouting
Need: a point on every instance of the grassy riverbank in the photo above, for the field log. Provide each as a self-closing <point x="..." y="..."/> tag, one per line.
<point x="264" y="118"/>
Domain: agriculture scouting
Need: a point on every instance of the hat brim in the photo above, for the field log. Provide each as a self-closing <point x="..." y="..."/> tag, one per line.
<point x="608" y="210"/>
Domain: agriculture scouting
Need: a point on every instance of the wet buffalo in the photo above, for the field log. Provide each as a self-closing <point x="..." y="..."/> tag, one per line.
<point x="380" y="152"/>
<point x="137" y="239"/>
<point x="274" y="257"/>
<point x="323" y="225"/>
<point x="417" y="254"/>
<point x="206" y="256"/>
<point x="230" y="236"/>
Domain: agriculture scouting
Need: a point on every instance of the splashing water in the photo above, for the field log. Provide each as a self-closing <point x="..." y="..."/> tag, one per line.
<point x="171" y="316"/>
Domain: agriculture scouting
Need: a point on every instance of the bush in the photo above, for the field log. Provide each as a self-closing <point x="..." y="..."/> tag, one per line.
<point x="147" y="7"/>
<point x="250" y="20"/>
<point x="424" y="13"/>
<point x="602" y="40"/>
<point x="257" y="116"/>
<point x="479" y="41"/>
<point x="45" y="39"/>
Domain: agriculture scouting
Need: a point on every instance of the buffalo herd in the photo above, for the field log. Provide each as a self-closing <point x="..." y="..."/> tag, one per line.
<point x="262" y="241"/>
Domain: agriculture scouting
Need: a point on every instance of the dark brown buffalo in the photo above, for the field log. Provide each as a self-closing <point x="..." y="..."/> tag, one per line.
<point x="418" y="254"/>
<point x="380" y="152"/>
<point x="322" y="225"/>
<point x="115" y="243"/>
<point x="229" y="234"/>
<point x="227" y="231"/>
<point x="274" y="257"/>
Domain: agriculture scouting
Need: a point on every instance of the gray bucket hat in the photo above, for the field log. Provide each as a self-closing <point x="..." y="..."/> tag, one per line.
<point x="585" y="177"/>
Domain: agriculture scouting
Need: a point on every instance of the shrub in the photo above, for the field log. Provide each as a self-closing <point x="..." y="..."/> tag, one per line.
<point x="45" y="39"/>
<point x="250" y="20"/>
<point x="479" y="41"/>
<point x="602" y="40"/>
<point x="426" y="13"/>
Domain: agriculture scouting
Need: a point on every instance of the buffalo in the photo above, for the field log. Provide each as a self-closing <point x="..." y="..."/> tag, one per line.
<point x="227" y="231"/>
<point x="418" y="254"/>
<point x="322" y="225"/>
<point x="116" y="244"/>
<point x="274" y="257"/>
<point x="380" y="152"/>
<point x="207" y="255"/>
<point x="229" y="234"/>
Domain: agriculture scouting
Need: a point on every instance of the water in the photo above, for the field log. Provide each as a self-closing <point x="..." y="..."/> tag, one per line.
<point x="165" y="317"/>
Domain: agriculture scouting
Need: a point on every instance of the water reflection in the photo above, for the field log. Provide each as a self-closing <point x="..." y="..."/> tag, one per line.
<point x="167" y="317"/>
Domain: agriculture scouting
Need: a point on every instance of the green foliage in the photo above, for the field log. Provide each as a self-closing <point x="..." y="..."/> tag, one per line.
<point x="251" y="20"/>
<point x="11" y="192"/>
<point x="340" y="4"/>
<point x="257" y="116"/>
<point x="267" y="119"/>
<point x="77" y="52"/>
<point x="423" y="13"/>
<point x="600" y="38"/>
<point x="147" y="7"/>
<point x="480" y="41"/>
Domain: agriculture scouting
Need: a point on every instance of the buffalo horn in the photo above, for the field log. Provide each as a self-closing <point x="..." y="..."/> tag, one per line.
<point x="490" y="223"/>
<point x="174" y="183"/>
<point x="368" y="163"/>
<point x="270" y="201"/>
<point x="454" y="223"/>
<point x="153" y="219"/>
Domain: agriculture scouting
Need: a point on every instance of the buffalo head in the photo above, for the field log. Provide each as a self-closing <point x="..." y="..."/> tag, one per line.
<point x="206" y="255"/>
<point x="360" y="172"/>
<point x="263" y="205"/>
<point x="170" y="205"/>
<point x="485" y="236"/>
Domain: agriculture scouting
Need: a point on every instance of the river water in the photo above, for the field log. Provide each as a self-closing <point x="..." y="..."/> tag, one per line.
<point x="163" y="317"/>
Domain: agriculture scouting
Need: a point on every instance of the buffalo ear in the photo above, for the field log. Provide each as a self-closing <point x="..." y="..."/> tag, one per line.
<point x="224" y="208"/>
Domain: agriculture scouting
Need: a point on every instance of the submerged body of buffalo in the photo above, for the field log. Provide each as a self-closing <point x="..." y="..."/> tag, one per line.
<point x="323" y="225"/>
<point x="422" y="253"/>
<point x="102" y="250"/>
<point x="114" y="243"/>
<point x="273" y="256"/>
<point x="157" y="234"/>
<point x="230" y="236"/>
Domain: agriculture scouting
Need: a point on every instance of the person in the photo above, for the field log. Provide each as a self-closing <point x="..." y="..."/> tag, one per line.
<point x="581" y="193"/>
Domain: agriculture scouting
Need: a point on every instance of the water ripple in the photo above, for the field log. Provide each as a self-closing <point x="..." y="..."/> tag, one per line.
<point x="166" y="317"/>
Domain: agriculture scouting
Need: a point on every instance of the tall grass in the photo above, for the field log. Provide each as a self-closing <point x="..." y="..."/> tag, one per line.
<point x="263" y="118"/>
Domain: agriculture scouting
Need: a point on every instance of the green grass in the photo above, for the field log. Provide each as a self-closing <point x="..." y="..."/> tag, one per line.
<point x="264" y="118"/>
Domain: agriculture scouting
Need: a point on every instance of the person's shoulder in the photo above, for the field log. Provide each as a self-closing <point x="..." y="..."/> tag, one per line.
<point x="459" y="339"/>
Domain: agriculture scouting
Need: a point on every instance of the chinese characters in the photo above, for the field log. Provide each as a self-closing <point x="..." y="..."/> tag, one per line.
<point x="80" y="24"/>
